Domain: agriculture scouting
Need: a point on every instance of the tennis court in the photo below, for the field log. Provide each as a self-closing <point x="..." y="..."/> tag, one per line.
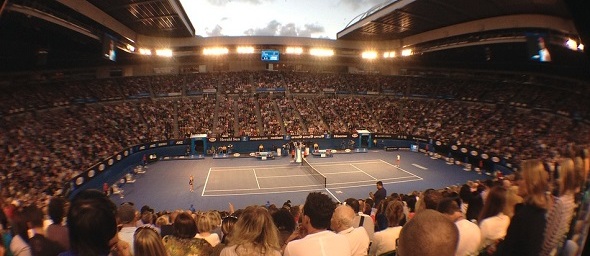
<point x="268" y="179"/>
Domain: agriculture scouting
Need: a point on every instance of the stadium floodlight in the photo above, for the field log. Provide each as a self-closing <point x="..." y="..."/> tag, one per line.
<point x="294" y="50"/>
<point x="321" y="52"/>
<point x="407" y="52"/>
<point x="215" y="51"/>
<point x="144" y="51"/>
<point x="131" y="48"/>
<point x="370" y="55"/>
<point x="581" y="47"/>
<point x="387" y="55"/>
<point x="245" y="50"/>
<point x="164" y="52"/>
<point x="571" y="44"/>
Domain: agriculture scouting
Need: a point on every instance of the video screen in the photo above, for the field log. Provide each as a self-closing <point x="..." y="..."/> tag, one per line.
<point x="539" y="49"/>
<point x="270" y="55"/>
<point x="109" y="48"/>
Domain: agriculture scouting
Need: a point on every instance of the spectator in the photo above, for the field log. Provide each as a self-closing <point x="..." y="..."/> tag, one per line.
<point x="92" y="226"/>
<point x="205" y="224"/>
<point x="56" y="231"/>
<point x="147" y="241"/>
<point x="126" y="220"/>
<point x="380" y="194"/>
<point x="40" y="245"/>
<point x="253" y="234"/>
<point x="361" y="219"/>
<point x="469" y="233"/>
<point x="429" y="233"/>
<point x="313" y="236"/>
<point x="342" y="223"/>
<point x="284" y="222"/>
<point x="20" y="244"/>
<point x="493" y="223"/>
<point x="525" y="232"/>
<point x="384" y="240"/>
<point x="227" y="226"/>
<point x="183" y="241"/>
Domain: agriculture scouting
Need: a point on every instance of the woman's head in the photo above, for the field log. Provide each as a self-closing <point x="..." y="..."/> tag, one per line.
<point x="147" y="241"/>
<point x="494" y="204"/>
<point x="534" y="183"/>
<point x="185" y="226"/>
<point x="255" y="227"/>
<point x="394" y="212"/>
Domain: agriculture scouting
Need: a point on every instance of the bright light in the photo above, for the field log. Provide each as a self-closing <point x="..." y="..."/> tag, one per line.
<point x="407" y="52"/>
<point x="572" y="44"/>
<point x="294" y="50"/>
<point x="387" y="55"/>
<point x="321" y="52"/>
<point x="215" y="51"/>
<point x="131" y="48"/>
<point x="164" y="52"/>
<point x="581" y="47"/>
<point x="245" y="49"/>
<point x="371" y="55"/>
<point x="144" y="51"/>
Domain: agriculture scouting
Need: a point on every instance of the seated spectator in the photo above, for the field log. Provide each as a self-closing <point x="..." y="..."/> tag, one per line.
<point x="126" y="220"/>
<point x="525" y="232"/>
<point x="147" y="241"/>
<point x="493" y="223"/>
<point x="284" y="222"/>
<point x="183" y="241"/>
<point x="40" y="245"/>
<point x="361" y="219"/>
<point x="205" y="225"/>
<point x="313" y="237"/>
<point x="56" y="231"/>
<point x="384" y="240"/>
<point x="342" y="223"/>
<point x="254" y="234"/>
<point x="428" y="233"/>
<point x="469" y="233"/>
<point x="92" y="226"/>
<point x="20" y="243"/>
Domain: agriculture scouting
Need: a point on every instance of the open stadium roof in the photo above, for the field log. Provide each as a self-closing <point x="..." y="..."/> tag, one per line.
<point x="396" y="19"/>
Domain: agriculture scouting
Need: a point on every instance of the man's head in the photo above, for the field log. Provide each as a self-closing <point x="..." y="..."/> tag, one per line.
<point x="126" y="214"/>
<point x="379" y="184"/>
<point x="431" y="198"/>
<point x="353" y="203"/>
<point x="428" y="233"/>
<point x="342" y="218"/>
<point x="317" y="211"/>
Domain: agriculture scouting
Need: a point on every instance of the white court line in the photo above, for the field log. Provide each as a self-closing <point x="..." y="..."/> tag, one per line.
<point x="402" y="169"/>
<point x="333" y="195"/>
<point x="257" y="167"/>
<point x="244" y="189"/>
<point x="283" y="176"/>
<point x="362" y="171"/>
<point x="253" y="166"/>
<point x="370" y="185"/>
<point x="419" y="166"/>
<point x="269" y="192"/>
<point x="256" y="177"/>
<point x="347" y="163"/>
<point x="206" y="182"/>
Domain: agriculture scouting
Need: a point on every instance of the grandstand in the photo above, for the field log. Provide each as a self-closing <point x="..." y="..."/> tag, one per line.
<point x="450" y="80"/>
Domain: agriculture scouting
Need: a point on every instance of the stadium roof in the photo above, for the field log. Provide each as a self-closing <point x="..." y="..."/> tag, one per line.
<point x="160" y="18"/>
<point x="396" y="19"/>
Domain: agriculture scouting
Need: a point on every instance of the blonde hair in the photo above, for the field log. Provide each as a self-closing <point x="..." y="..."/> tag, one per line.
<point x="162" y="220"/>
<point x="255" y="229"/>
<point x="147" y="241"/>
<point x="569" y="180"/>
<point x="536" y="183"/>
<point x="204" y="222"/>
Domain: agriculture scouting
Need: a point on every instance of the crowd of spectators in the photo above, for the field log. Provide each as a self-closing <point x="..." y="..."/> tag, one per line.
<point x="57" y="141"/>
<point x="527" y="213"/>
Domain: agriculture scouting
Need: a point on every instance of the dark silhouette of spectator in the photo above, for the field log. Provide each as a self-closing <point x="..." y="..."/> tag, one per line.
<point x="56" y="231"/>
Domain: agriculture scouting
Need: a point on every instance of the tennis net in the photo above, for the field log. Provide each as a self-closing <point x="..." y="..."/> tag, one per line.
<point x="319" y="177"/>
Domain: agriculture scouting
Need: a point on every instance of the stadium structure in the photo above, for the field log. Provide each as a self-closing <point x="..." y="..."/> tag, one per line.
<point x="89" y="85"/>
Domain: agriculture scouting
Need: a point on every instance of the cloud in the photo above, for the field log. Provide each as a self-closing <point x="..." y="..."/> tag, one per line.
<point x="275" y="28"/>
<point x="358" y="4"/>
<point x="225" y="2"/>
<point x="215" y="32"/>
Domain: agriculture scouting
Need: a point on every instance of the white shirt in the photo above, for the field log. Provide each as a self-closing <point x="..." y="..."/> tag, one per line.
<point x="126" y="234"/>
<point x="212" y="239"/>
<point x="357" y="239"/>
<point x="19" y="247"/>
<point x="493" y="228"/>
<point x="384" y="240"/>
<point x="368" y="224"/>
<point x="469" y="238"/>
<point x="324" y="243"/>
